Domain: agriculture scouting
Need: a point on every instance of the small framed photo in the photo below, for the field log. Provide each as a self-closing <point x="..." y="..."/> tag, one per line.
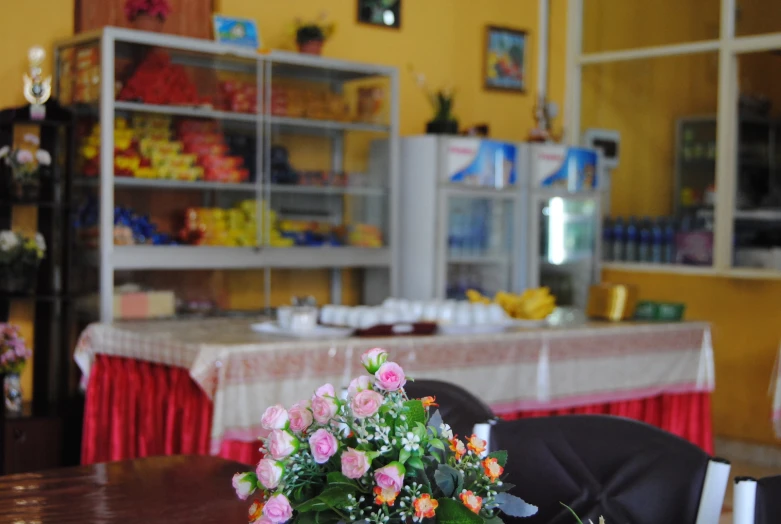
<point x="505" y="59"/>
<point x="382" y="13"/>
<point x="241" y="32"/>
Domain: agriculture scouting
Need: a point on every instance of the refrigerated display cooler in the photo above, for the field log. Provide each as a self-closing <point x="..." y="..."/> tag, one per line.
<point x="498" y="216"/>
<point x="462" y="217"/>
<point x="564" y="206"/>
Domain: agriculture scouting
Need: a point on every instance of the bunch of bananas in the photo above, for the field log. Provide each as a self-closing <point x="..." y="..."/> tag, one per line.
<point x="532" y="304"/>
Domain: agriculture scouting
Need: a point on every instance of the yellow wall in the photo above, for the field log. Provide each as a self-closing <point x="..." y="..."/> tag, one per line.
<point x="643" y="99"/>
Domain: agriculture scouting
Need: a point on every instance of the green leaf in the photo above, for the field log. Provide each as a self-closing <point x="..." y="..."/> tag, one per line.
<point x="573" y="513"/>
<point x="403" y="455"/>
<point x="500" y="456"/>
<point x="415" y="462"/>
<point x="447" y="478"/>
<point x="436" y="443"/>
<point x="494" y="520"/>
<point x="513" y="506"/>
<point x="330" y="498"/>
<point x="336" y="479"/>
<point x="451" y="511"/>
<point x="327" y="517"/>
<point x="311" y="505"/>
<point x="306" y="518"/>
<point x="506" y="486"/>
<point x="415" y="412"/>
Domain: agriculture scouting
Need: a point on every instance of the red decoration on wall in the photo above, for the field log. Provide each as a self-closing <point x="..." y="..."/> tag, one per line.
<point x="188" y="17"/>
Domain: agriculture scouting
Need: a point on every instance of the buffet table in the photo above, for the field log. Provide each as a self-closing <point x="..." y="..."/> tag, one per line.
<point x="201" y="386"/>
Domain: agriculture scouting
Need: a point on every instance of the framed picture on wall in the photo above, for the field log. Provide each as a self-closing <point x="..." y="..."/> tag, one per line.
<point x="383" y="13"/>
<point x="505" y="59"/>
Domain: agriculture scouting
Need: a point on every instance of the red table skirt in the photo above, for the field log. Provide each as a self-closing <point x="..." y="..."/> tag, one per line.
<point x="138" y="409"/>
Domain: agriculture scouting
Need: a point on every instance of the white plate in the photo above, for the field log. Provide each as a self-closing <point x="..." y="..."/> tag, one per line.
<point x="272" y="328"/>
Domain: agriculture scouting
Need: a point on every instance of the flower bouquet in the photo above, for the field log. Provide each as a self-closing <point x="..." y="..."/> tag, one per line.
<point x="26" y="168"/>
<point x="20" y="257"/>
<point x="13" y="356"/>
<point x="375" y="456"/>
<point x="147" y="15"/>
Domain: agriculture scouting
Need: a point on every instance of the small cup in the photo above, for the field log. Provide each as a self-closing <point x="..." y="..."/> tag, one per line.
<point x="497" y="314"/>
<point x="446" y="313"/>
<point x="430" y="311"/>
<point x="388" y="316"/>
<point x="481" y="314"/>
<point x="328" y="314"/>
<point x="283" y="316"/>
<point x="462" y="314"/>
<point x="369" y="318"/>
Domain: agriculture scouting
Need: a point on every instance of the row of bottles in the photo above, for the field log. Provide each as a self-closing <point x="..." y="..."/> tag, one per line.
<point x="639" y="240"/>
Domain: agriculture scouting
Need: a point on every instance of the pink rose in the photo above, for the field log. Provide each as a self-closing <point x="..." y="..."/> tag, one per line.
<point x="275" y="417"/>
<point x="358" y="384"/>
<point x="300" y="417"/>
<point x="277" y="509"/>
<point x="326" y="390"/>
<point x="323" y="445"/>
<point x="355" y="463"/>
<point x="324" y="409"/>
<point x="366" y="403"/>
<point x="269" y="473"/>
<point x="282" y="443"/>
<point x="391" y="477"/>
<point x="390" y="377"/>
<point x="373" y="359"/>
<point x="245" y="484"/>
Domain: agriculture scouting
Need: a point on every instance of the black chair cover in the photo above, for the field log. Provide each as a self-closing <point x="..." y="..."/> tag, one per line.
<point x="768" y="505"/>
<point x="627" y="471"/>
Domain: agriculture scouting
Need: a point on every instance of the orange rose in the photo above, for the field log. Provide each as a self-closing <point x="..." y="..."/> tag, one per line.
<point x="476" y="444"/>
<point x="458" y="448"/>
<point x="429" y="401"/>
<point x="471" y="501"/>
<point x="492" y="468"/>
<point x="255" y="510"/>
<point x="425" y="506"/>
<point x="384" y="496"/>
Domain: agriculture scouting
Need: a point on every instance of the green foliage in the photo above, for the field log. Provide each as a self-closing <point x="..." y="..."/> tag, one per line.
<point x="500" y="456"/>
<point x="449" y="480"/>
<point x="573" y="513"/>
<point x="452" y="511"/>
<point x="415" y="412"/>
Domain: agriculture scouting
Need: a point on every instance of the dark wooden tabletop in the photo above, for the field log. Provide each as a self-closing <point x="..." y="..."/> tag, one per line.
<point x="154" y="490"/>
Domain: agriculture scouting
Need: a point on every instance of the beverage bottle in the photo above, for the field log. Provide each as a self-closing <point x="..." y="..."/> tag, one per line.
<point x="607" y="240"/>
<point x="631" y="243"/>
<point x="657" y="241"/>
<point x="618" y="240"/>
<point x="669" y="241"/>
<point x="644" y="249"/>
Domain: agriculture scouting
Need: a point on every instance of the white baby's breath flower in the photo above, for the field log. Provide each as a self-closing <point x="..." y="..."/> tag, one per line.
<point x="43" y="157"/>
<point x="410" y="442"/>
<point x="445" y="431"/>
<point x="32" y="139"/>
<point x="4" y="151"/>
<point x="8" y="240"/>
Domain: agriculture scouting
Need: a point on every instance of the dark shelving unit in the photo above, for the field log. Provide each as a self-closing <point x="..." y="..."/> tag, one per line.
<point x="53" y="418"/>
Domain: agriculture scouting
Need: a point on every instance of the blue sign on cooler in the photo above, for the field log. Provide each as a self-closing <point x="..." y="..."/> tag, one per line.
<point x="569" y="168"/>
<point x="484" y="163"/>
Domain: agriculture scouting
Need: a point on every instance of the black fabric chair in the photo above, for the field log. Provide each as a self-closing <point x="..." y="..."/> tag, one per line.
<point x="763" y="495"/>
<point x="624" y="470"/>
<point x="459" y="408"/>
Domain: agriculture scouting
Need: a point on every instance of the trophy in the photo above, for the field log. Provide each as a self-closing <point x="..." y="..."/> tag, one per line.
<point x="37" y="89"/>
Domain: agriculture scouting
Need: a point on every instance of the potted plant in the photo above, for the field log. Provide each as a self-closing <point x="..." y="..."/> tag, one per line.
<point x="147" y="15"/>
<point x="20" y="257"/>
<point x="444" y="122"/>
<point x="14" y="353"/>
<point x="310" y="36"/>
<point x="25" y="167"/>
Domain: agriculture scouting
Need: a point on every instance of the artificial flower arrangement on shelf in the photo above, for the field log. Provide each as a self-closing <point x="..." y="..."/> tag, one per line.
<point x="310" y="36"/>
<point x="376" y="456"/>
<point x="441" y="100"/>
<point x="26" y="165"/>
<point x="20" y="256"/>
<point x="14" y="354"/>
<point x="147" y="15"/>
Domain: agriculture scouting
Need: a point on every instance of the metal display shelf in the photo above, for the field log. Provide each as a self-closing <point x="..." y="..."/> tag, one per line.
<point x="207" y="257"/>
<point x="334" y="205"/>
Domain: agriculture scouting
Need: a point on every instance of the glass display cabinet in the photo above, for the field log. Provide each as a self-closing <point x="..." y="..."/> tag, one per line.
<point x="194" y="155"/>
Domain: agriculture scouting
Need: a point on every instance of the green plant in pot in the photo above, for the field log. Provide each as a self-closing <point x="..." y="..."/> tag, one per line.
<point x="441" y="100"/>
<point x="24" y="168"/>
<point x="20" y="257"/>
<point x="310" y="36"/>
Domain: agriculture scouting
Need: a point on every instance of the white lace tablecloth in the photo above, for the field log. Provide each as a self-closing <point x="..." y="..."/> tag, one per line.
<point x="244" y="372"/>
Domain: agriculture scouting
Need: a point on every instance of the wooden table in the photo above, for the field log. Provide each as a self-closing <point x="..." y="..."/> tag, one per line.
<point x="192" y="489"/>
